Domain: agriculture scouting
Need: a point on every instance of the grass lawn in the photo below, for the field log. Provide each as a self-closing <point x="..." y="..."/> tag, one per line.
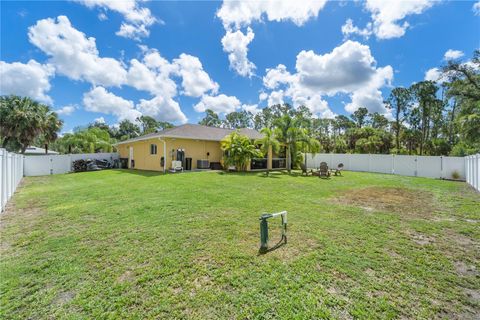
<point x="130" y="244"/>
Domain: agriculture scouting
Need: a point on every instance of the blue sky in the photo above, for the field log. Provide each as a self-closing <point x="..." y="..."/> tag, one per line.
<point x="172" y="60"/>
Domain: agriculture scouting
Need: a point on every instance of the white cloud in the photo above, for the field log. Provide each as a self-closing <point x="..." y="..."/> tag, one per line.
<point x="236" y="45"/>
<point x="243" y="13"/>
<point x="102" y="16"/>
<point x="276" y="76"/>
<point x="195" y="81"/>
<point x="220" y="104"/>
<point x="348" y="28"/>
<point x="138" y="18"/>
<point x="253" y="108"/>
<point x="476" y="8"/>
<point x="163" y="109"/>
<point x="436" y="75"/>
<point x="276" y="97"/>
<point x="349" y="69"/>
<point x="31" y="79"/>
<point x="388" y="18"/>
<point x="154" y="81"/>
<point x="453" y="54"/>
<point x="73" y="54"/>
<point x="100" y="100"/>
<point x="238" y="14"/>
<point x="262" y="96"/>
<point x="66" y="110"/>
<point x="99" y="120"/>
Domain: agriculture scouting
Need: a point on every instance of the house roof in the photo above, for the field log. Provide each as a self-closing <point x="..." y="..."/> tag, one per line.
<point x="37" y="150"/>
<point x="196" y="132"/>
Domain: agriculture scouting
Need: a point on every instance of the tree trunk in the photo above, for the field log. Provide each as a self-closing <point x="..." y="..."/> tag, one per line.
<point x="289" y="160"/>
<point x="46" y="148"/>
<point x="5" y="141"/>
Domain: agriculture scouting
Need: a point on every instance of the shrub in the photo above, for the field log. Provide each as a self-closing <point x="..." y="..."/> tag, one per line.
<point x="455" y="175"/>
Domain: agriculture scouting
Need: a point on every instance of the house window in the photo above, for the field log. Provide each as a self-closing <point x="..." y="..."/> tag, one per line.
<point x="153" y="149"/>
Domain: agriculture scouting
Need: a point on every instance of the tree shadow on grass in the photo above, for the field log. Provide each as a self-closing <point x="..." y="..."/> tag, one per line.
<point x="143" y="173"/>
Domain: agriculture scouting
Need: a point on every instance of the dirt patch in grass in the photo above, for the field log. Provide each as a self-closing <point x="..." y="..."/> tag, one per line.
<point x="398" y="200"/>
<point x="465" y="270"/>
<point x="422" y="239"/>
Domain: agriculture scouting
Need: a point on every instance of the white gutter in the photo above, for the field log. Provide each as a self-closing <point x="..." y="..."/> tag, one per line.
<point x="164" y="154"/>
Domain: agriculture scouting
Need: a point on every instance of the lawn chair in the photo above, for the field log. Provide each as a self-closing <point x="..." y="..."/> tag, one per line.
<point x="304" y="169"/>
<point x="338" y="170"/>
<point x="323" y="170"/>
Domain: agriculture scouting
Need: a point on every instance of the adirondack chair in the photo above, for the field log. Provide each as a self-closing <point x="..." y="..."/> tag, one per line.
<point x="338" y="170"/>
<point x="323" y="170"/>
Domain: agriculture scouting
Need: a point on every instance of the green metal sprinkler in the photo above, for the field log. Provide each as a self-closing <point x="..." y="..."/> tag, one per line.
<point x="264" y="229"/>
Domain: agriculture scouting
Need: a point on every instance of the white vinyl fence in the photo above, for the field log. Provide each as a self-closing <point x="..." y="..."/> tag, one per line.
<point x="418" y="166"/>
<point x="472" y="171"/>
<point x="62" y="163"/>
<point x="11" y="173"/>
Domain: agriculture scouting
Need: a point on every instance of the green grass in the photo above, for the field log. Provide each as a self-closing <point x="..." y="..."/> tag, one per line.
<point x="121" y="244"/>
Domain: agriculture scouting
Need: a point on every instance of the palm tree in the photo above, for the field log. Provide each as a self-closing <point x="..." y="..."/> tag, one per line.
<point x="22" y="120"/>
<point x="269" y="141"/>
<point x="51" y="126"/>
<point x="239" y="150"/>
<point x="289" y="132"/>
<point x="309" y="144"/>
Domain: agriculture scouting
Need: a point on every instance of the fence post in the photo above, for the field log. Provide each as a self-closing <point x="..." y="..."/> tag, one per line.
<point x="393" y="164"/>
<point x="2" y="178"/>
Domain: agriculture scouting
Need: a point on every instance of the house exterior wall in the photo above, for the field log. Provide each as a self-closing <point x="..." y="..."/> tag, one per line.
<point x="195" y="149"/>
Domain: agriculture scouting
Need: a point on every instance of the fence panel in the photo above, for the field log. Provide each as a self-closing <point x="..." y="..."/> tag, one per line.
<point x="359" y="162"/>
<point x="429" y="166"/>
<point x="381" y="163"/>
<point x="37" y="165"/>
<point x="451" y="165"/>
<point x="57" y="164"/>
<point x="422" y="166"/>
<point x="472" y="171"/>
<point x="11" y="173"/>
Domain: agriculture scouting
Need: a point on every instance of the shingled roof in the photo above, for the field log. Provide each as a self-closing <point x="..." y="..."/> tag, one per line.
<point x="197" y="132"/>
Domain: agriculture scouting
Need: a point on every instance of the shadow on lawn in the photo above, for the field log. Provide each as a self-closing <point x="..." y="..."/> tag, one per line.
<point x="144" y="173"/>
<point x="279" y="244"/>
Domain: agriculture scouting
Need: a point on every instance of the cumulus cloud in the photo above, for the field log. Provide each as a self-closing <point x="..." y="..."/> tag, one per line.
<point x="349" y="69"/>
<point x="66" y="110"/>
<point x="100" y="100"/>
<point x="243" y="13"/>
<point x="73" y="54"/>
<point x="236" y="15"/>
<point x="99" y="120"/>
<point x="30" y="79"/>
<point x="138" y="18"/>
<point x="476" y="8"/>
<point x="195" y="81"/>
<point x="435" y="75"/>
<point x="220" y="103"/>
<point x="236" y="45"/>
<point x="252" y="108"/>
<point x="388" y="18"/>
<point x="453" y="54"/>
<point x="348" y="29"/>
<point x="163" y="109"/>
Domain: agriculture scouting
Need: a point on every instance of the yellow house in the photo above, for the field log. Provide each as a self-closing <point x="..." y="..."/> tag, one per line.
<point x="195" y="146"/>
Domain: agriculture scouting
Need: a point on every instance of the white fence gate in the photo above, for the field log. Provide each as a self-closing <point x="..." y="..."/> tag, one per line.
<point x="418" y="166"/>
<point x="11" y="173"/>
<point x="472" y="171"/>
<point x="55" y="164"/>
